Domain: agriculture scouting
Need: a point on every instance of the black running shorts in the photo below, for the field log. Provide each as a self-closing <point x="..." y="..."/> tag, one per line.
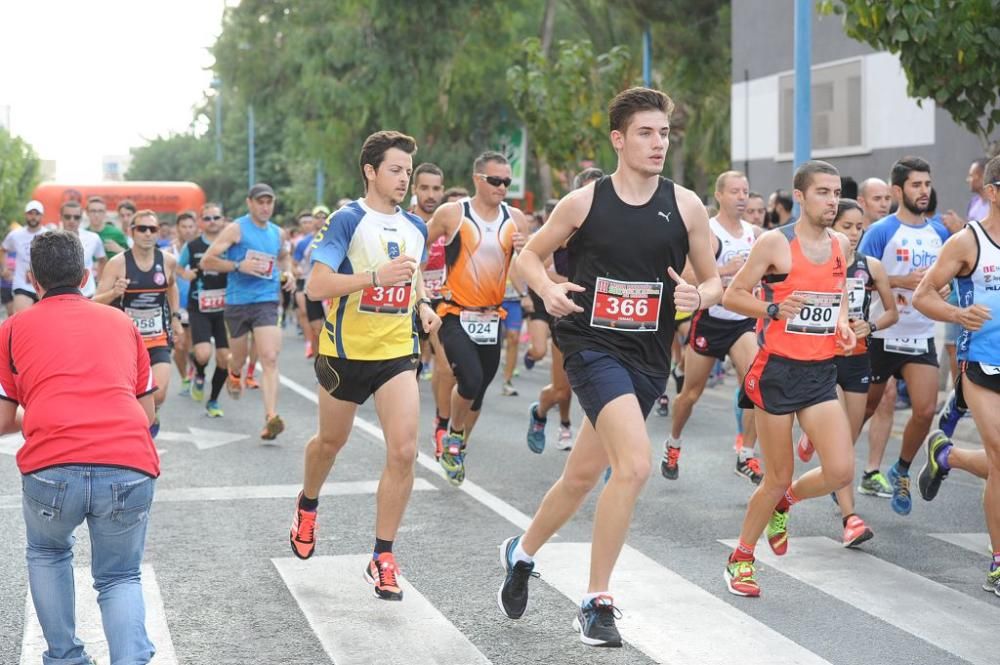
<point x="357" y="380"/>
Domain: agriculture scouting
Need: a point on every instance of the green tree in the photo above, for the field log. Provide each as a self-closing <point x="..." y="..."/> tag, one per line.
<point x="19" y="175"/>
<point x="947" y="49"/>
<point x="563" y="100"/>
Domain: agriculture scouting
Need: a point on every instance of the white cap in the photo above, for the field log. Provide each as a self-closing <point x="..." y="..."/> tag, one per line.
<point x="36" y="206"/>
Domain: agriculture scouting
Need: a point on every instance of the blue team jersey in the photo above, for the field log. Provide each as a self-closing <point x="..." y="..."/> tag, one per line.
<point x="263" y="244"/>
<point x="902" y="249"/>
<point x="377" y="322"/>
<point x="981" y="287"/>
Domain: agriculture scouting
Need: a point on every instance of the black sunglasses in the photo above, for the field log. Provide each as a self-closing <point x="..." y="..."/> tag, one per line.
<point x="72" y="216"/>
<point x="211" y="218"/>
<point x="142" y="228"/>
<point x="496" y="181"/>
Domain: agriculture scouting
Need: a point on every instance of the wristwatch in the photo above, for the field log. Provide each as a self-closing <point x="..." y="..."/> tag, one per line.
<point x="772" y="311"/>
<point x="872" y="327"/>
<point x="236" y="266"/>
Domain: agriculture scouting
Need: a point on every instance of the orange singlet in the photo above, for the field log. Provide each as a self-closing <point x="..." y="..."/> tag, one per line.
<point x="811" y="335"/>
<point x="478" y="256"/>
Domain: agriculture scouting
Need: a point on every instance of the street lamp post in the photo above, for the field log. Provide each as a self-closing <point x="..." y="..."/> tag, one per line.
<point x="217" y="86"/>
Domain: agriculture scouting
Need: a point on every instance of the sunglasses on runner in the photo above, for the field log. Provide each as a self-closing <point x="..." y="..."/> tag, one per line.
<point x="211" y="218"/>
<point x="496" y="181"/>
<point x="142" y="228"/>
<point x="72" y="217"/>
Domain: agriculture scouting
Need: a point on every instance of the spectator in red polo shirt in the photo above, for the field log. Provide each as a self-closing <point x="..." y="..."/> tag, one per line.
<point x="80" y="373"/>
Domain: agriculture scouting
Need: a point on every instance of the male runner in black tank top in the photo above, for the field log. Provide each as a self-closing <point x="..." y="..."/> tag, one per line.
<point x="142" y="282"/>
<point x="629" y="235"/>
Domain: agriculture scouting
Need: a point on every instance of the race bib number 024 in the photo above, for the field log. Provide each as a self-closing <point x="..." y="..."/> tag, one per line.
<point x="386" y="299"/>
<point x="481" y="327"/>
<point x="818" y="316"/>
<point x="626" y="306"/>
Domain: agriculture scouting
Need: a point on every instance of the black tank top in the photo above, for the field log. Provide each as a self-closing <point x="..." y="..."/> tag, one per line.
<point x="145" y="300"/>
<point x="620" y="255"/>
<point x="206" y="280"/>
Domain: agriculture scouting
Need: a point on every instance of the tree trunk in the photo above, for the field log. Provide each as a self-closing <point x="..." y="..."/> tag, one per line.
<point x="548" y="24"/>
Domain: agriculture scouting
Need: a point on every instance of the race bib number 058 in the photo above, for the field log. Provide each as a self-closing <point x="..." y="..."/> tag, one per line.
<point x="386" y="299"/>
<point x="148" y="321"/>
<point x="818" y="316"/>
<point x="626" y="306"/>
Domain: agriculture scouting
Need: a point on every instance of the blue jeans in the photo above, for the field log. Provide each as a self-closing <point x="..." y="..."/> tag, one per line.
<point x="115" y="502"/>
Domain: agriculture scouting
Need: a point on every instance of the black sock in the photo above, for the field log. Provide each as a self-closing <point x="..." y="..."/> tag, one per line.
<point x="442" y="422"/>
<point x="542" y="419"/>
<point x="456" y="432"/>
<point x="565" y="423"/>
<point x="903" y="464"/>
<point x="382" y="546"/>
<point x="199" y="369"/>
<point x="218" y="380"/>
<point x="306" y="503"/>
<point x="869" y="474"/>
<point x="847" y="518"/>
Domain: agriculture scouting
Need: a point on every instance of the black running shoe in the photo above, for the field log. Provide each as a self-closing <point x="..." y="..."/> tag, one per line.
<point x="663" y="405"/>
<point x="596" y="623"/>
<point x="932" y="473"/>
<point x="512" y="598"/>
<point x="670" y="464"/>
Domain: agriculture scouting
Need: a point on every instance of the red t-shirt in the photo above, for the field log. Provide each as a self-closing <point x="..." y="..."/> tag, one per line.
<point x="77" y="368"/>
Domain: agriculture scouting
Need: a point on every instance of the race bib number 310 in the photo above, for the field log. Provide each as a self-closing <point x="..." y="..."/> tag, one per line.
<point x="626" y="306"/>
<point x="818" y="316"/>
<point x="386" y="299"/>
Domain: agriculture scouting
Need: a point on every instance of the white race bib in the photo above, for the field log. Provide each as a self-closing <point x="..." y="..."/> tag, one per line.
<point x="148" y="321"/>
<point x="262" y="259"/>
<point x="481" y="327"/>
<point x="855" y="297"/>
<point x="989" y="370"/>
<point x="818" y="316"/>
<point x="433" y="281"/>
<point x="907" y="346"/>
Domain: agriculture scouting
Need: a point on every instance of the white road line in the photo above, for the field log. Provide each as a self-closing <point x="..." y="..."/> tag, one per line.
<point x="88" y="622"/>
<point x="670" y="619"/>
<point x="974" y="542"/>
<point x="274" y="491"/>
<point x="356" y="629"/>
<point x="948" y="619"/>
<point x="491" y="501"/>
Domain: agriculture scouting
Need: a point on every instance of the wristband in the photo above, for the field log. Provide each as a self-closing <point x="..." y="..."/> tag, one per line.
<point x="872" y="327"/>
<point x="425" y="301"/>
<point x="375" y="281"/>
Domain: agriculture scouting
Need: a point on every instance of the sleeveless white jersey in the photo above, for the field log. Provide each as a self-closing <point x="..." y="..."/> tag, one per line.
<point x="729" y="247"/>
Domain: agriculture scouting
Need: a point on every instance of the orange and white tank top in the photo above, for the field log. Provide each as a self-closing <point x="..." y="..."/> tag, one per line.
<point x="811" y="335"/>
<point x="478" y="257"/>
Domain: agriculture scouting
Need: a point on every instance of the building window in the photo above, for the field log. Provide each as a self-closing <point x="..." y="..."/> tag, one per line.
<point x="836" y="108"/>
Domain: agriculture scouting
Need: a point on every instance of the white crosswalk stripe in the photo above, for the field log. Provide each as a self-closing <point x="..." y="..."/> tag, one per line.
<point x="88" y="622"/>
<point x="946" y="618"/>
<point x="347" y="619"/>
<point x="669" y="618"/>
<point x="974" y="542"/>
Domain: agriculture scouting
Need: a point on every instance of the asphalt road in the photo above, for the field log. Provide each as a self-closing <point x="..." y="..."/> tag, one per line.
<point x="225" y="587"/>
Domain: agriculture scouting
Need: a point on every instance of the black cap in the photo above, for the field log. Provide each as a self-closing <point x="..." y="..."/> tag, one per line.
<point x="260" y="189"/>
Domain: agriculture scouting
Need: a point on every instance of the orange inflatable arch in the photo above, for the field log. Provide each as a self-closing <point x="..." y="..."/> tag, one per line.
<point x="162" y="197"/>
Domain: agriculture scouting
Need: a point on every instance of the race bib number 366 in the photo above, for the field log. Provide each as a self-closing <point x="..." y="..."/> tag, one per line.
<point x="386" y="299"/>
<point x="626" y="306"/>
<point x="818" y="316"/>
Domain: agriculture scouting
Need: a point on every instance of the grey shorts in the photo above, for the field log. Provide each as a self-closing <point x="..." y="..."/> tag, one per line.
<point x="242" y="319"/>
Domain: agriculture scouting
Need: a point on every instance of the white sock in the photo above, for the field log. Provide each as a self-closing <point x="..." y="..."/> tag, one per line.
<point x="673" y="443"/>
<point x="587" y="597"/>
<point x="520" y="555"/>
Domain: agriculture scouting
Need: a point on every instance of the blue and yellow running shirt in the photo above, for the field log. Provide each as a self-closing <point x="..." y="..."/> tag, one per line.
<point x="376" y="323"/>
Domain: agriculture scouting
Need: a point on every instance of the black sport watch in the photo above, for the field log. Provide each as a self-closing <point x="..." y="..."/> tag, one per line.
<point x="772" y="311"/>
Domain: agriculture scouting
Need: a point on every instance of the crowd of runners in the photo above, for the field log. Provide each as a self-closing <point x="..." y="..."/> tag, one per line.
<point x="627" y="280"/>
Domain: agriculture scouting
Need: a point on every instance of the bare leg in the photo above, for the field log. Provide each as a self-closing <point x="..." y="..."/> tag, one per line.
<point x="397" y="403"/>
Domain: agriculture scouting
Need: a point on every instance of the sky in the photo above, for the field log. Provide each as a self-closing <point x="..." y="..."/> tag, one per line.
<point x="84" y="79"/>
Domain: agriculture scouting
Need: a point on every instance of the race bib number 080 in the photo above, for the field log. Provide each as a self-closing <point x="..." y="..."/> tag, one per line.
<point x="818" y="316"/>
<point x="386" y="299"/>
<point x="626" y="306"/>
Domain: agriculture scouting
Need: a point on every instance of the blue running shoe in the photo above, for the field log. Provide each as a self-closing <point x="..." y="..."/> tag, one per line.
<point x="529" y="362"/>
<point x="536" y="430"/>
<point x="901" y="501"/>
<point x="950" y="415"/>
